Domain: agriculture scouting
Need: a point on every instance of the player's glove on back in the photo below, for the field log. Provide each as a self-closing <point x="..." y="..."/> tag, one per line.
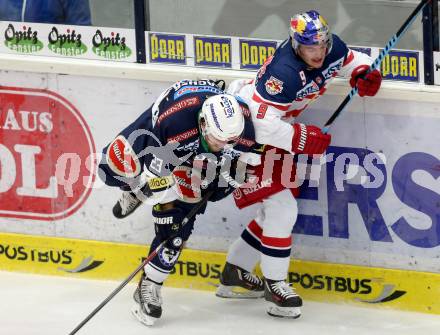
<point x="368" y="83"/>
<point x="227" y="181"/>
<point x="220" y="190"/>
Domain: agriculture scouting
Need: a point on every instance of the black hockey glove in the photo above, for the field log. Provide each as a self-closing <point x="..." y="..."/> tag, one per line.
<point x="221" y="193"/>
<point x="168" y="222"/>
<point x="224" y="184"/>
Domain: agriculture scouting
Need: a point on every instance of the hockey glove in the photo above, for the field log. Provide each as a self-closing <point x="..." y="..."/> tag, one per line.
<point x="228" y="180"/>
<point x="221" y="193"/>
<point x="309" y="140"/>
<point x="220" y="190"/>
<point x="168" y="222"/>
<point x="368" y="83"/>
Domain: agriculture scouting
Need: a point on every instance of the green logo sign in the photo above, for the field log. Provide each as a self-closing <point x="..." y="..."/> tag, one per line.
<point x="25" y="41"/>
<point x="68" y="44"/>
<point x="113" y="47"/>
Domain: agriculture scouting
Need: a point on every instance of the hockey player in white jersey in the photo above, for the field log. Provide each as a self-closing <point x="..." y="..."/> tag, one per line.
<point x="297" y="73"/>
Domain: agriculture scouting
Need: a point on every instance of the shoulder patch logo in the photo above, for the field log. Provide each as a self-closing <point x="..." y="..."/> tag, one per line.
<point x="273" y="86"/>
<point x="122" y="159"/>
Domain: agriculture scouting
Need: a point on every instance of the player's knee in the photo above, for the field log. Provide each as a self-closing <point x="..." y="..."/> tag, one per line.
<point x="280" y="212"/>
<point x="282" y="202"/>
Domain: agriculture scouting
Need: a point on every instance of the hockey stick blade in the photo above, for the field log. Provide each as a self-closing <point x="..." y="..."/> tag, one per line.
<point x="391" y="43"/>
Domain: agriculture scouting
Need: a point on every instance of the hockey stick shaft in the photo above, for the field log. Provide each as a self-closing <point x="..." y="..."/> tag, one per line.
<point x="153" y="254"/>
<point x="385" y="51"/>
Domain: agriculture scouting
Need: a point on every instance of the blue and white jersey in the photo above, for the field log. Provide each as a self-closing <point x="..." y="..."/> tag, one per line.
<point x="167" y="135"/>
<point x="285" y="86"/>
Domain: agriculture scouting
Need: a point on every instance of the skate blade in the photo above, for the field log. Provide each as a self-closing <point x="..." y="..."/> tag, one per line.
<point x="284" y="312"/>
<point x="144" y="319"/>
<point x="234" y="292"/>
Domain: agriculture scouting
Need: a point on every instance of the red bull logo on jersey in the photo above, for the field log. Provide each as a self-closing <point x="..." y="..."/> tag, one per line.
<point x="273" y="86"/>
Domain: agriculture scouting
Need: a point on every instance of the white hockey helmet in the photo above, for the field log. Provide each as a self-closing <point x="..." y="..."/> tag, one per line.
<point x="223" y="117"/>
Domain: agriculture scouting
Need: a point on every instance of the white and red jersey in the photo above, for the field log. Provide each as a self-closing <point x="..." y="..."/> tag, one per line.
<point x="285" y="86"/>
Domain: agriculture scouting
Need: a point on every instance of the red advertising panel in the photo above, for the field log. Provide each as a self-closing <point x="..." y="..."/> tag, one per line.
<point x="47" y="159"/>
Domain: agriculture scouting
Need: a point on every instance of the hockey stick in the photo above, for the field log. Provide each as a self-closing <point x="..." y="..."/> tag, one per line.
<point x="153" y="254"/>
<point x="391" y="43"/>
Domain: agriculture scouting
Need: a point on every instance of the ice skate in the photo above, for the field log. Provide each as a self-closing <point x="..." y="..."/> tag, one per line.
<point x="148" y="307"/>
<point x="127" y="204"/>
<point x="238" y="283"/>
<point x="283" y="301"/>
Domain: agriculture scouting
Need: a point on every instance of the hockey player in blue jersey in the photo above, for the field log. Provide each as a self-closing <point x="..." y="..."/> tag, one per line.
<point x="192" y="139"/>
<point x="297" y="74"/>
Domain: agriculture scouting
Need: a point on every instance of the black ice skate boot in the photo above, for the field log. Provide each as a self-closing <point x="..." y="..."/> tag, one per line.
<point x="282" y="298"/>
<point x="148" y="307"/>
<point x="236" y="282"/>
<point x="127" y="204"/>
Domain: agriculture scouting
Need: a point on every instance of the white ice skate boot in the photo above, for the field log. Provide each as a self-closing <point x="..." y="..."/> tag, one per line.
<point x="148" y="307"/>
<point x="236" y="282"/>
<point x="282" y="298"/>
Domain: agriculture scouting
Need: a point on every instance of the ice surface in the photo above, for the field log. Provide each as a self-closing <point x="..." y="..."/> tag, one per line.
<point x="45" y="305"/>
